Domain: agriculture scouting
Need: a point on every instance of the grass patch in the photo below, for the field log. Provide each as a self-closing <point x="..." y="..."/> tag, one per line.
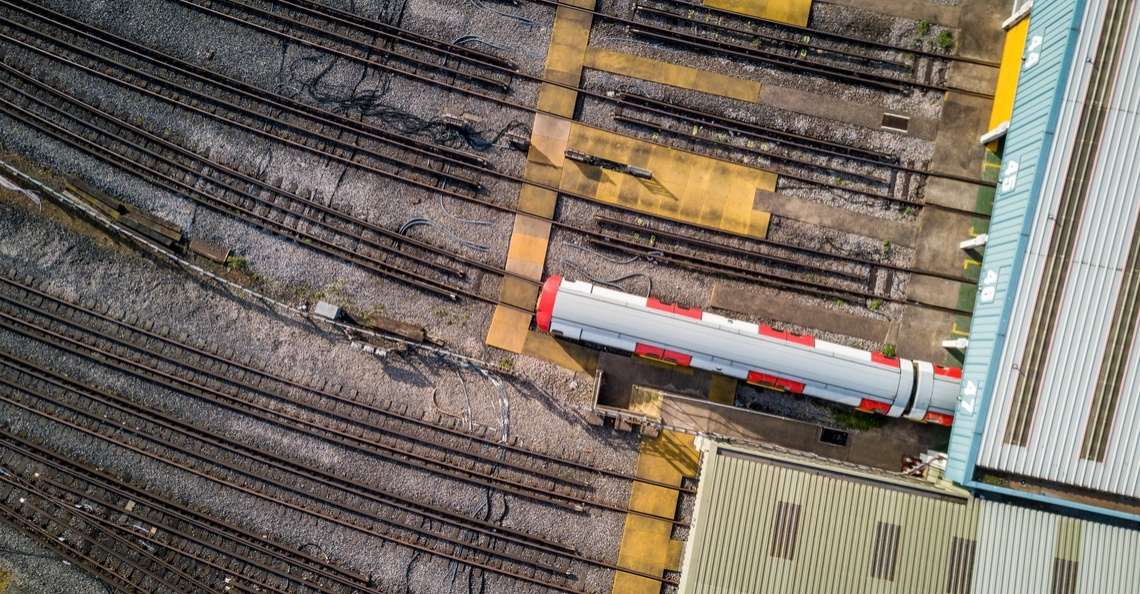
<point x="5" y="579"/>
<point x="946" y="40"/>
<point x="923" y="27"/>
<point x="889" y="350"/>
<point x="857" y="420"/>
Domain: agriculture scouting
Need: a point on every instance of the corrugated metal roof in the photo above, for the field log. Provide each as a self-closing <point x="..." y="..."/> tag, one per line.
<point x="852" y="532"/>
<point x="1056" y="440"/>
<point x="1053" y="32"/>
<point x="768" y="522"/>
<point x="1023" y="551"/>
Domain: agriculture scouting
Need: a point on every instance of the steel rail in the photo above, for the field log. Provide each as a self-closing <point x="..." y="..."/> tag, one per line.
<point x="91" y="534"/>
<point x="97" y="525"/>
<point x="779" y="171"/>
<point x="174" y="381"/>
<point x="761" y="132"/>
<point x="714" y="267"/>
<point x="354" y="21"/>
<point x="291" y="466"/>
<point x="423" y="548"/>
<point x="773" y="38"/>
<point x="229" y="468"/>
<point x="278" y="101"/>
<point x="747" y="128"/>
<point x="288" y="466"/>
<point x="819" y="33"/>
<point x="73" y="551"/>
<point x="603" y="220"/>
<point x="196" y="96"/>
<point x="267" y="16"/>
<point x="55" y="130"/>
<point x="122" y="488"/>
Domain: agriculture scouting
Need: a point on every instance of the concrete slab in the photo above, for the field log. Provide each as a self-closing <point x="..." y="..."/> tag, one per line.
<point x="922" y="333"/>
<point x="974" y="78"/>
<point x="794" y="12"/>
<point x="980" y="35"/>
<point x="671" y="74"/>
<point x="680" y="188"/>
<point x="509" y="328"/>
<point x="860" y="114"/>
<point x="917" y="10"/>
<point x="934" y="291"/>
<point x="519" y="293"/>
<point x="798" y="314"/>
<point x="965" y="118"/>
<point x="545" y="347"/>
<point x="645" y="543"/>
<point x="843" y="219"/>
<point x="878" y="448"/>
<point x="723" y="390"/>
<point x="951" y="193"/>
<point x="623" y="372"/>
<point x="941" y="233"/>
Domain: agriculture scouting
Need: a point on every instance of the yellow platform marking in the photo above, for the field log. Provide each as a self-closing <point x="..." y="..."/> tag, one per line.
<point x="646" y="401"/>
<point x="723" y="390"/>
<point x="526" y="256"/>
<point x="672" y="74"/>
<point x="793" y="12"/>
<point x="509" y="328"/>
<point x="645" y="543"/>
<point x="1007" y="75"/>
<point x="545" y="347"/>
<point x="685" y="186"/>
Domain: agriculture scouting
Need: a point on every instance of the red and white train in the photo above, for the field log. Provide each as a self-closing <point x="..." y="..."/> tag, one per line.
<point x="759" y="355"/>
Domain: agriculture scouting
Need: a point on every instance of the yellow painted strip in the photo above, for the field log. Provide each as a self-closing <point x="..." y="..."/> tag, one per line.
<point x="685" y="187"/>
<point x="793" y="12"/>
<point x="508" y="330"/>
<point x="672" y="74"/>
<point x="1007" y="75"/>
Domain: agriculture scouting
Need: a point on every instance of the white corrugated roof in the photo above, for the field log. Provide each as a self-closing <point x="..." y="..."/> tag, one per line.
<point x="1084" y="318"/>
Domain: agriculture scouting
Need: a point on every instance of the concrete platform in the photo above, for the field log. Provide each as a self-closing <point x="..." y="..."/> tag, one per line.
<point x="974" y="78"/>
<point x="965" y="118"/>
<point x="878" y="448"/>
<point x="980" y="35"/>
<point x="917" y="10"/>
<point x="793" y="12"/>
<point x="860" y="114"/>
<point x="941" y="232"/>
<point x="646" y="545"/>
<point x="798" y="314"/>
<point x="526" y="256"/>
<point x="842" y="219"/>
<point x="671" y="74"/>
<point x="922" y="333"/>
<point x="577" y="358"/>
<point x="682" y="187"/>
<point x="688" y="407"/>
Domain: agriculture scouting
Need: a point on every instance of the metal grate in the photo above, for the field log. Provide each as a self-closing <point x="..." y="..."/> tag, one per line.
<point x="960" y="568"/>
<point x="895" y="122"/>
<point x="785" y="527"/>
<point x="1064" y="577"/>
<point x="886" y="551"/>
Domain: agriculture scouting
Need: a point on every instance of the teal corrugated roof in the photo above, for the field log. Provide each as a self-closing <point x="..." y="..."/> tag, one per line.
<point x="1053" y="28"/>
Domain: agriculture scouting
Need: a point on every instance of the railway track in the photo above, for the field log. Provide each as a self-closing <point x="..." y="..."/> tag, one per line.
<point x="814" y="272"/>
<point x="233" y="192"/>
<point x="210" y="94"/>
<point x="378" y="430"/>
<point x="278" y="477"/>
<point x="131" y="537"/>
<point x="694" y="26"/>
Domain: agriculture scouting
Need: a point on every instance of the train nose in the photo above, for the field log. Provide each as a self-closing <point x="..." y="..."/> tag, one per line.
<point x="545" y="309"/>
